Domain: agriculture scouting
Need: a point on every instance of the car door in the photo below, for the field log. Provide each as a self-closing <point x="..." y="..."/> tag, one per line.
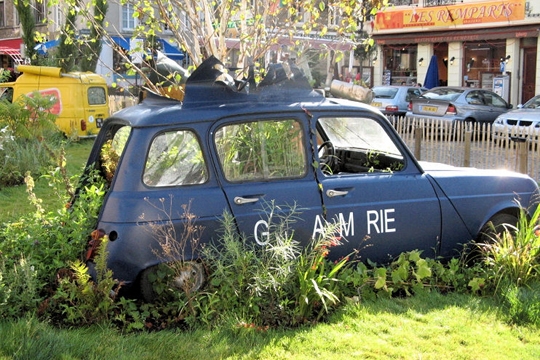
<point x="385" y="205"/>
<point x="266" y="175"/>
<point x="497" y="105"/>
<point x="477" y="106"/>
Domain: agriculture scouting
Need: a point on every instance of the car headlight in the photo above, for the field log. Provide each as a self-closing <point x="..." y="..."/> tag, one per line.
<point x="498" y="121"/>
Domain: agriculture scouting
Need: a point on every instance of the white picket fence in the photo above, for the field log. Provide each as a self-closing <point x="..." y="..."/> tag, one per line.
<point x="474" y="145"/>
<point x="118" y="102"/>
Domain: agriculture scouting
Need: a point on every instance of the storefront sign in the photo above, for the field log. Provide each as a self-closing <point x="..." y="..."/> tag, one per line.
<point x="452" y="15"/>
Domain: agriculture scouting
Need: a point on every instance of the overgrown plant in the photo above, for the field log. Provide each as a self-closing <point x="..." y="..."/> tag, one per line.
<point x="273" y="284"/>
<point x="512" y="256"/>
<point x="512" y="266"/>
<point x="318" y="277"/>
<point x="79" y="300"/>
<point x="28" y="133"/>
<point x="48" y="241"/>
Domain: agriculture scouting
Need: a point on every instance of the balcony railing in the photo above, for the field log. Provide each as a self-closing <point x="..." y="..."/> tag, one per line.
<point x="428" y="3"/>
<point x="425" y="3"/>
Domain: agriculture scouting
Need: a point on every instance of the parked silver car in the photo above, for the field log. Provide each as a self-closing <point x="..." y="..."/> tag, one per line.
<point x="394" y="100"/>
<point x="458" y="104"/>
<point x="523" y="122"/>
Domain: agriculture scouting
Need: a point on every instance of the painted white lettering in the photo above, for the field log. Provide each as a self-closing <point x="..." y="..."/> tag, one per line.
<point x="318" y="227"/>
<point x="372" y="220"/>
<point x="346" y="227"/>
<point x="388" y="220"/>
<point x="264" y="232"/>
<point x="380" y="221"/>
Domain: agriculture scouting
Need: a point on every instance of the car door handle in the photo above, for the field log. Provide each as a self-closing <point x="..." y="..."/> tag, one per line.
<point x="238" y="200"/>
<point x="333" y="193"/>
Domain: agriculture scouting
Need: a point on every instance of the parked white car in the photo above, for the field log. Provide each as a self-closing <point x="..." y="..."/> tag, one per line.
<point x="521" y="123"/>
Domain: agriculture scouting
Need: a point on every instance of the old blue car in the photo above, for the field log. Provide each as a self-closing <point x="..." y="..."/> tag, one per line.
<point x="246" y="148"/>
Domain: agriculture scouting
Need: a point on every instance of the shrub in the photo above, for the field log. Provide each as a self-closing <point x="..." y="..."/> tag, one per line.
<point x="512" y="257"/>
<point x="35" y="247"/>
<point x="24" y="126"/>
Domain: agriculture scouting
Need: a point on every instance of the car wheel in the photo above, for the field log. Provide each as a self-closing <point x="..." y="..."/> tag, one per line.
<point x="490" y="232"/>
<point x="187" y="277"/>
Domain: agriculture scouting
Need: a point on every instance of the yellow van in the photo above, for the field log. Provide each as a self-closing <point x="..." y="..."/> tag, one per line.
<point x="82" y="100"/>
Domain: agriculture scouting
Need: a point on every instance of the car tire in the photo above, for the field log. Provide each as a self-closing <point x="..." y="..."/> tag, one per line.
<point x="489" y="233"/>
<point x="188" y="278"/>
<point x="496" y="225"/>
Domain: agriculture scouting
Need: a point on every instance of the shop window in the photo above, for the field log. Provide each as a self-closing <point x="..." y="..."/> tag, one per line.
<point x="400" y="65"/>
<point x="483" y="60"/>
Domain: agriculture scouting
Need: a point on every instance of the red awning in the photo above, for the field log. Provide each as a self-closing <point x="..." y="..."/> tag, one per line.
<point x="12" y="47"/>
<point x="11" y="43"/>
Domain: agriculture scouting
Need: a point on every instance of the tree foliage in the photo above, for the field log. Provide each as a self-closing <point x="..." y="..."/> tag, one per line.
<point x="28" y="24"/>
<point x="238" y="32"/>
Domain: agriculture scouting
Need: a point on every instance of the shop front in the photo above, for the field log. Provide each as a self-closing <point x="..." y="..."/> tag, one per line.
<point x="471" y="48"/>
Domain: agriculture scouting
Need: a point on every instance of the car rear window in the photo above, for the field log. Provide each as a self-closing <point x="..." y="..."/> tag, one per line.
<point x="443" y="94"/>
<point x="175" y="158"/>
<point x="385" y="92"/>
<point x="261" y="150"/>
<point x="96" y="96"/>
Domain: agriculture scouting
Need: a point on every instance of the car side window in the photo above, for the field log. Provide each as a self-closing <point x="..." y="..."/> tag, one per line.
<point x="175" y="159"/>
<point x="112" y="150"/>
<point x="494" y="100"/>
<point x="475" y="98"/>
<point x="412" y="93"/>
<point x="261" y="150"/>
<point x="358" y="145"/>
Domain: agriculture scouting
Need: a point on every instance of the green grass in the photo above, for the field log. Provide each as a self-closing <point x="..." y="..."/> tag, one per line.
<point x="13" y="200"/>
<point x="428" y="326"/>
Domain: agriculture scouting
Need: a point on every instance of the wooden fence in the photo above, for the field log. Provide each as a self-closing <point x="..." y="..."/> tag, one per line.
<point x="118" y="102"/>
<point x="474" y="145"/>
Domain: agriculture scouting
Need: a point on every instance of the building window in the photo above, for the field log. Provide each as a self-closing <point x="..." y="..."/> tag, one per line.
<point x="400" y="65"/>
<point x="2" y="14"/>
<point x="334" y="15"/>
<point x="39" y="11"/>
<point x="17" y="21"/>
<point x="129" y="22"/>
<point x="482" y="60"/>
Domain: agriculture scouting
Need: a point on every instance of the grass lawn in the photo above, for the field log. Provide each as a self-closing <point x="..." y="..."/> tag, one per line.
<point x="14" y="200"/>
<point x="427" y="326"/>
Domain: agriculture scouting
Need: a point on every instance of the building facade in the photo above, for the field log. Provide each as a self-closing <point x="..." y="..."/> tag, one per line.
<point x="477" y="43"/>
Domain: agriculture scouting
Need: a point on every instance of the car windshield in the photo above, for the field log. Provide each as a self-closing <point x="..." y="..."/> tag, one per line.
<point x="443" y="94"/>
<point x="385" y="92"/>
<point x="359" y="133"/>
<point x="533" y="103"/>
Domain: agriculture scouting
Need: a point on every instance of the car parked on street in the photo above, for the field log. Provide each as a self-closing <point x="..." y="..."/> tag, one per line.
<point x="458" y="104"/>
<point x="278" y="149"/>
<point x="523" y="122"/>
<point x="394" y="100"/>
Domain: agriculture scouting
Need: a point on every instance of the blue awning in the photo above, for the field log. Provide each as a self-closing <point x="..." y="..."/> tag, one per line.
<point x="171" y="51"/>
<point x="121" y="41"/>
<point x="44" y="47"/>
